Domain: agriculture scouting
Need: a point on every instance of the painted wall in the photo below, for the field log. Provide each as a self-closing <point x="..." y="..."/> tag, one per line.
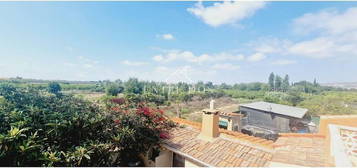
<point x="189" y="163"/>
<point x="165" y="159"/>
<point x="344" y="120"/>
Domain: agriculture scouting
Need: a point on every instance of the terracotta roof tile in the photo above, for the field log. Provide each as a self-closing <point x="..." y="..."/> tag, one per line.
<point x="238" y="161"/>
<point x="254" y="141"/>
<point x="244" y="163"/>
<point x="223" y="151"/>
<point x="304" y="150"/>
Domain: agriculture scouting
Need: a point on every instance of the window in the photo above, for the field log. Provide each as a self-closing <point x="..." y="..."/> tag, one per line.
<point x="223" y="124"/>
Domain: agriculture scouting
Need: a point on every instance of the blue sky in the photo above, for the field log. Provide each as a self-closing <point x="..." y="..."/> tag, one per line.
<point x="171" y="41"/>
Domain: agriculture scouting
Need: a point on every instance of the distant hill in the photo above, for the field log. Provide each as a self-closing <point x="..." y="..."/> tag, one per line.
<point x="345" y="85"/>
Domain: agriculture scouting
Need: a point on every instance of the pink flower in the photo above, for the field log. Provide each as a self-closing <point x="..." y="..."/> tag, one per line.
<point x="117" y="121"/>
<point x="164" y="135"/>
<point x="160" y="111"/>
<point x="144" y="110"/>
<point x="117" y="109"/>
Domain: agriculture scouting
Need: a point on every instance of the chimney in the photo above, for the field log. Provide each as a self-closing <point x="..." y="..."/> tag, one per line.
<point x="210" y="118"/>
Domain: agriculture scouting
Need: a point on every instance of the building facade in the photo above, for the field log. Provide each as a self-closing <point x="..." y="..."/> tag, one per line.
<point x="269" y="118"/>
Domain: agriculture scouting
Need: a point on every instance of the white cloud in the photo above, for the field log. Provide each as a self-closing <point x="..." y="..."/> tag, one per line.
<point x="228" y="12"/>
<point x="185" y="73"/>
<point x="188" y="56"/>
<point x="256" y="57"/>
<point x="328" y="34"/>
<point x="158" y="58"/>
<point x="327" y="21"/>
<point x="69" y="64"/>
<point x="316" y="48"/>
<point x="225" y="66"/>
<point x="283" y="62"/>
<point x="166" y="36"/>
<point x="133" y="63"/>
<point x="335" y="34"/>
<point x="270" y="45"/>
<point x="80" y="68"/>
<point x="88" y="65"/>
<point x="161" y="69"/>
<point x="85" y="62"/>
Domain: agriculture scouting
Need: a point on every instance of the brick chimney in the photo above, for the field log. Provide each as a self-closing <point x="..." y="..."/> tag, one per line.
<point x="210" y="118"/>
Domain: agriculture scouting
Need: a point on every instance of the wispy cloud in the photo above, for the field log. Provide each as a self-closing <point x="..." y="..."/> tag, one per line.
<point x="335" y="34"/>
<point x="133" y="63"/>
<point x="283" y="62"/>
<point x="166" y="36"/>
<point x="69" y="64"/>
<point x="326" y="34"/>
<point x="81" y="67"/>
<point x="188" y="56"/>
<point x="185" y="73"/>
<point x="228" y="12"/>
<point x="226" y="66"/>
<point x="328" y="21"/>
<point x="87" y="62"/>
<point x="256" y="57"/>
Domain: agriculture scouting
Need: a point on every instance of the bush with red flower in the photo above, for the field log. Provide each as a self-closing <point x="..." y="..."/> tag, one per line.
<point x="42" y="129"/>
<point x="138" y="130"/>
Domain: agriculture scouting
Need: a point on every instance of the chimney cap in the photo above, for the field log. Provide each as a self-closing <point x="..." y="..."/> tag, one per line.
<point x="210" y="111"/>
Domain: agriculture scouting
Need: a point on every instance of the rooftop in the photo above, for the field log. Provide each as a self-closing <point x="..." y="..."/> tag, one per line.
<point x="308" y="150"/>
<point x="229" y="149"/>
<point x="230" y="110"/>
<point x="233" y="149"/>
<point x="277" y="108"/>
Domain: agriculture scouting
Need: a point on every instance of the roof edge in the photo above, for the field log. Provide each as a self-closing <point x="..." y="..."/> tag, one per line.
<point x="302" y="135"/>
<point x="186" y="155"/>
<point x="233" y="135"/>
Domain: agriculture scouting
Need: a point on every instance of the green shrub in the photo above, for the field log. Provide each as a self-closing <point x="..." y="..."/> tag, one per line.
<point x="113" y="89"/>
<point x="54" y="87"/>
<point x="41" y="129"/>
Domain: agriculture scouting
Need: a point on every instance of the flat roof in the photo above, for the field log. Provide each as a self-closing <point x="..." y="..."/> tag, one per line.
<point x="277" y="108"/>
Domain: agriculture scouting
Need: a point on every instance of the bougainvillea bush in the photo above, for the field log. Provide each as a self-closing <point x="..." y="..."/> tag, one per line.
<point x="42" y="129"/>
<point x="145" y="127"/>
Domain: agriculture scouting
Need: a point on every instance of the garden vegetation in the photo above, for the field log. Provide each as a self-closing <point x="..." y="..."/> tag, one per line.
<point x="46" y="128"/>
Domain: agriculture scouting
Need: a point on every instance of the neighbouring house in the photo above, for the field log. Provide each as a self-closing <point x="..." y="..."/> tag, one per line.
<point x="264" y="119"/>
<point x="204" y="144"/>
<point x="229" y="118"/>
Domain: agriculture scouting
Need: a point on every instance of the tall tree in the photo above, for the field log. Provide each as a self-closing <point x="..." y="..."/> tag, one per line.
<point x="113" y="89"/>
<point x="54" y="87"/>
<point x="315" y="83"/>
<point x="285" y="84"/>
<point x="271" y="81"/>
<point x="278" y="82"/>
<point x="133" y="85"/>
<point x="209" y="85"/>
